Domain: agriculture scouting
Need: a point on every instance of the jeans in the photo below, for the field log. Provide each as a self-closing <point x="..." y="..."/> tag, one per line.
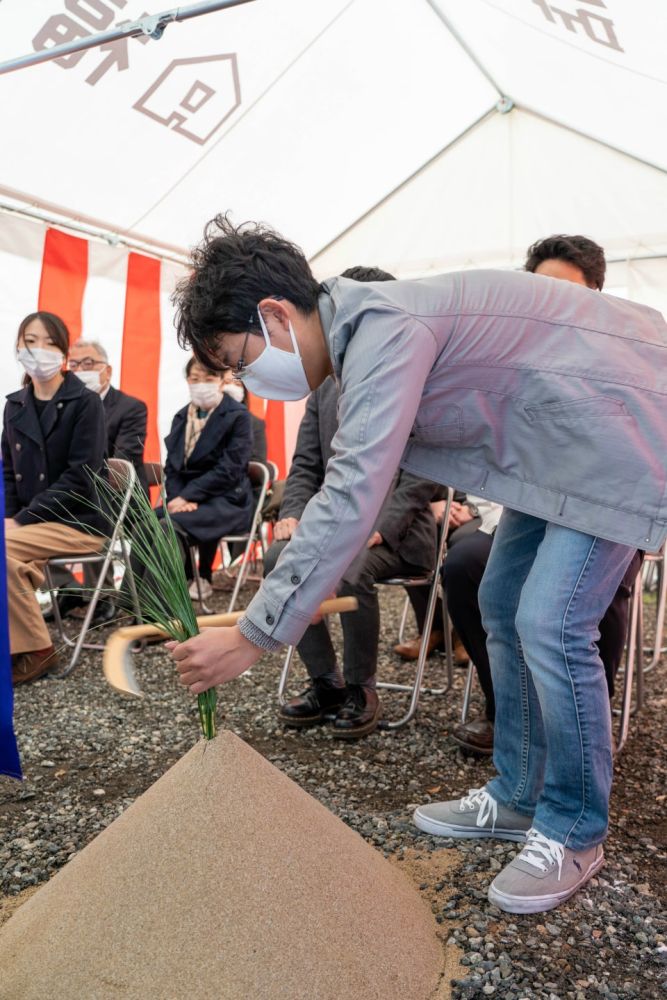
<point x="361" y="628"/>
<point x="544" y="591"/>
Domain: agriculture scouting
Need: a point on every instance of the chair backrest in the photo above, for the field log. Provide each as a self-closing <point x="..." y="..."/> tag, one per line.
<point x="154" y="473"/>
<point x="259" y="475"/>
<point x="123" y="479"/>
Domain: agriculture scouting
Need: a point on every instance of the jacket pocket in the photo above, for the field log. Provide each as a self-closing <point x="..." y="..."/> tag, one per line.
<point x="589" y="408"/>
<point x="439" y="424"/>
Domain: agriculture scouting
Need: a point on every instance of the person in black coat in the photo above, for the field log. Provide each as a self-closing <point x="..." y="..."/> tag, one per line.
<point x="126" y="417"/>
<point x="206" y="472"/>
<point x="53" y="438"/>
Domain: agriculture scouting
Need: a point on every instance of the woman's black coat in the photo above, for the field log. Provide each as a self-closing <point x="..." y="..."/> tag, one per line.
<point x="216" y="475"/>
<point x="47" y="465"/>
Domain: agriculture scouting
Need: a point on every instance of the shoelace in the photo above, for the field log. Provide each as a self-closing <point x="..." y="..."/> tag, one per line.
<point x="486" y="803"/>
<point x="541" y="852"/>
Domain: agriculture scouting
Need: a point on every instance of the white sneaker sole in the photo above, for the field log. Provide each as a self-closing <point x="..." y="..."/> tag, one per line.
<point x="437" y="829"/>
<point x="539" y="904"/>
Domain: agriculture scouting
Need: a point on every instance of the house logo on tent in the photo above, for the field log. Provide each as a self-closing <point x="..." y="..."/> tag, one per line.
<point x="194" y="96"/>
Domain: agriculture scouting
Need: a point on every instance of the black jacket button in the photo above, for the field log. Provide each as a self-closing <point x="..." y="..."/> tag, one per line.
<point x="270" y="619"/>
<point x="295" y="579"/>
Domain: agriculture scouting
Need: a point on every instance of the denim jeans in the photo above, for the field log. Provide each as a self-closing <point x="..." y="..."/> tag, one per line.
<point x="544" y="591"/>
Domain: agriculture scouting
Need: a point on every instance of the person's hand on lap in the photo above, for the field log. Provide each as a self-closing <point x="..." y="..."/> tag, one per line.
<point x="284" y="529"/>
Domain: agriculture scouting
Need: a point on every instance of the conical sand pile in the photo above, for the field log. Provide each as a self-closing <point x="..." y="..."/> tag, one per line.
<point x="224" y="881"/>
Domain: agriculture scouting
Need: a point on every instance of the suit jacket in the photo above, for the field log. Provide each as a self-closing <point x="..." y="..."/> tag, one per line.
<point x="405" y="521"/>
<point x="538" y="394"/>
<point x="216" y="474"/>
<point x="126" y="419"/>
<point x="47" y="468"/>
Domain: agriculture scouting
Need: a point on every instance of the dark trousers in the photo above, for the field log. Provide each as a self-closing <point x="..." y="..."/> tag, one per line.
<point x="361" y="629"/>
<point x="462" y="574"/>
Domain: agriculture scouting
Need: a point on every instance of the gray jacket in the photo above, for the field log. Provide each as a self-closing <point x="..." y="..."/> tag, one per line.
<point x="405" y="521"/>
<point x="540" y="394"/>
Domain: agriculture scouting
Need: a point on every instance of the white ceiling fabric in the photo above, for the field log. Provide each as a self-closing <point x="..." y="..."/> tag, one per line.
<point x="365" y="130"/>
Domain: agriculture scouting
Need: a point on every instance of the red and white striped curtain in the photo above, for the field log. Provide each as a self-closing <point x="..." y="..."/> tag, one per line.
<point x="121" y="299"/>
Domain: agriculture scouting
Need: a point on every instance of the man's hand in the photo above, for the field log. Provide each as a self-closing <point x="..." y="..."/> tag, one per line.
<point x="213" y="657"/>
<point x="459" y="514"/>
<point x="284" y="529"/>
<point x="179" y="505"/>
<point x="375" y="539"/>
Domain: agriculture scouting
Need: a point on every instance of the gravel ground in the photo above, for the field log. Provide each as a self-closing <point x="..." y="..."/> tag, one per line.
<point x="87" y="753"/>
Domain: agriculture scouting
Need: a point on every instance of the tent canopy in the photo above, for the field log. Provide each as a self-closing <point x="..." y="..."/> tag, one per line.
<point x="363" y="129"/>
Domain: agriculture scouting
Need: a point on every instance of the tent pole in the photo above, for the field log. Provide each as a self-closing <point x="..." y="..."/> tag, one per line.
<point x="162" y="251"/>
<point x="152" y="26"/>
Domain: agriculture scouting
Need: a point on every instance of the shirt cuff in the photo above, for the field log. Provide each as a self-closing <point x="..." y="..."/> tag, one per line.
<point x="258" y="638"/>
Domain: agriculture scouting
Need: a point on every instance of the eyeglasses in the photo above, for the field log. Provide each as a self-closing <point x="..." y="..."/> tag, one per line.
<point x="237" y="370"/>
<point x="87" y="364"/>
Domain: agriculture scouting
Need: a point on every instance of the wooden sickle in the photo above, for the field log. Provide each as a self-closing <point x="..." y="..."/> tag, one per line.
<point x="118" y="661"/>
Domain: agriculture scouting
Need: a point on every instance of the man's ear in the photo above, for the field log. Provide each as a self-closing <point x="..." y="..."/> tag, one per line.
<point x="280" y="310"/>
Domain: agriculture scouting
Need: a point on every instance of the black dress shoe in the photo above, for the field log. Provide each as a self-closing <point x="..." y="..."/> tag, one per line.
<point x="71" y="598"/>
<point x="106" y="612"/>
<point x="476" y="736"/>
<point x="359" y="715"/>
<point x="313" y="705"/>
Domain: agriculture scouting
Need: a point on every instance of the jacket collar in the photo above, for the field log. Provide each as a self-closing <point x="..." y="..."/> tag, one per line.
<point x="326" y="305"/>
<point x="25" y="418"/>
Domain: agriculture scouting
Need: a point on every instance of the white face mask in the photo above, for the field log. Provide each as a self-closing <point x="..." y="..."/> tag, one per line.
<point x="91" y="380"/>
<point x="41" y="364"/>
<point x="205" y="395"/>
<point x="276" y="374"/>
<point x="234" y="390"/>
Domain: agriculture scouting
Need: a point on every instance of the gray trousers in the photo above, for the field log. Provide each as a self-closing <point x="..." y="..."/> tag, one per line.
<point x="361" y="629"/>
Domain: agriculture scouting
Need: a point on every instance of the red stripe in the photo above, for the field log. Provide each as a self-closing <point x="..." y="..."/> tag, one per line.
<point x="140" y="360"/>
<point x="63" y="279"/>
<point x="275" y="435"/>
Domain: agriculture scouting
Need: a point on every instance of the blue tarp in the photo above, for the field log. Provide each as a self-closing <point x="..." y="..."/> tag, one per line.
<point x="9" y="755"/>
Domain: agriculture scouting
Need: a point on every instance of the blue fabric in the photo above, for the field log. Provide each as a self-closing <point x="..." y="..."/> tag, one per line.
<point x="545" y="588"/>
<point x="9" y="755"/>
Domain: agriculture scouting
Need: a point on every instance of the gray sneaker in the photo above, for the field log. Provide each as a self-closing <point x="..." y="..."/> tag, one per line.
<point x="543" y="875"/>
<point x="476" y="815"/>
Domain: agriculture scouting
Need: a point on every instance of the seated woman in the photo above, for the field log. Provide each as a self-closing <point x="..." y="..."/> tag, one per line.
<point x="206" y="472"/>
<point x="53" y="437"/>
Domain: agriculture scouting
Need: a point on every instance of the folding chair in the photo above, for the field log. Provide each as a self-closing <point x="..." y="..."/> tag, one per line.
<point x="654" y="564"/>
<point x="260" y="477"/>
<point x="433" y="582"/>
<point x="122" y="478"/>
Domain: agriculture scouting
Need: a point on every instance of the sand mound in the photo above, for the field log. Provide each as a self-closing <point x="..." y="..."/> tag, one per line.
<point x="225" y="880"/>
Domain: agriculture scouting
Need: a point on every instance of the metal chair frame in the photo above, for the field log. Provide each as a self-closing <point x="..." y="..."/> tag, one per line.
<point x="433" y="581"/>
<point x="260" y="477"/>
<point x="122" y="478"/>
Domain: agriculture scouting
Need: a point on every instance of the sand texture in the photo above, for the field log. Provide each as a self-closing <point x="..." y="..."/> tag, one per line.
<point x="225" y="881"/>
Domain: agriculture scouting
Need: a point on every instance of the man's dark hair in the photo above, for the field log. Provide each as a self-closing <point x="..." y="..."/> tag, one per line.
<point x="367" y="274"/>
<point x="578" y="250"/>
<point x="234" y="268"/>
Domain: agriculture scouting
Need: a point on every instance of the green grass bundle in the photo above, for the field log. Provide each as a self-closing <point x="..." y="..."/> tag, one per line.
<point x="162" y="587"/>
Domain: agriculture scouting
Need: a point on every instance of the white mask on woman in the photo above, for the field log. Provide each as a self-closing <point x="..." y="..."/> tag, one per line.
<point x="91" y="380"/>
<point x="205" y="395"/>
<point x="276" y="374"/>
<point x="41" y="364"/>
<point x="234" y="390"/>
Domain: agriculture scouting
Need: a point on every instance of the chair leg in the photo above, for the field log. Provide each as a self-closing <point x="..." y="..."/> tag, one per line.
<point x="404" y="620"/>
<point x="88" y="617"/>
<point x="284" y="674"/>
<point x="661" y="603"/>
<point x="242" y="571"/>
<point x="467" y="691"/>
<point x="632" y="652"/>
<point x="194" y="555"/>
<point x="436" y="594"/>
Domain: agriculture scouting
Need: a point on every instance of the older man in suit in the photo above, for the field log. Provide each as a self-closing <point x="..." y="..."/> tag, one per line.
<point x="126" y="416"/>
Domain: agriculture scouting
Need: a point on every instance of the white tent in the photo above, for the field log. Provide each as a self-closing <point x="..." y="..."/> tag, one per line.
<point x="417" y="135"/>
